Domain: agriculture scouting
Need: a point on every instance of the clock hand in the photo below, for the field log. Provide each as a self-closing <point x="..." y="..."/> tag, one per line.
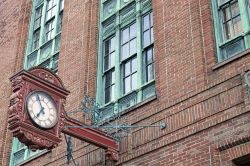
<point x="38" y="98"/>
<point x="41" y="111"/>
<point x="42" y="108"/>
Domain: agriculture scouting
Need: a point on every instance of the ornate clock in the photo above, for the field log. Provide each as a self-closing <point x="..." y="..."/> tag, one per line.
<point x="37" y="116"/>
<point x="36" y="110"/>
<point x="42" y="109"/>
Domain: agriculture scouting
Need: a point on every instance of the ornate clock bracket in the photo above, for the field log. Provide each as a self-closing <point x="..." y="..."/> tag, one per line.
<point x="92" y="136"/>
<point x="35" y="137"/>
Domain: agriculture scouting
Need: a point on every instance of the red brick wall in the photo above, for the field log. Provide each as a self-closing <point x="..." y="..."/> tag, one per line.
<point x="205" y="105"/>
<point x="14" y="19"/>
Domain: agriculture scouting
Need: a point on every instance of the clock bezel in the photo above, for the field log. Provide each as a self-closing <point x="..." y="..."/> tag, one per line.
<point x="51" y="99"/>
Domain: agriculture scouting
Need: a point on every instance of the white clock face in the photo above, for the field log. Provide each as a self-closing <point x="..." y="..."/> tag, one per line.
<point x="42" y="109"/>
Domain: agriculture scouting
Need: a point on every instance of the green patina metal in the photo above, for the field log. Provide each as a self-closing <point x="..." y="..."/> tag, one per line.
<point x="114" y="16"/>
<point x="218" y="32"/>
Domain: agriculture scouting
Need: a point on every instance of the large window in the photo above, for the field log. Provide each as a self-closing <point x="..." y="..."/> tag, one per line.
<point x="232" y="27"/>
<point x="126" y="54"/>
<point x="44" y="34"/>
<point x="42" y="49"/>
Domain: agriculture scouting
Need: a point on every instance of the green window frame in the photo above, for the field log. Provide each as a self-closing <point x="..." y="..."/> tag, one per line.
<point x="231" y="27"/>
<point x="43" y="47"/>
<point x="21" y="154"/>
<point x="125" y="73"/>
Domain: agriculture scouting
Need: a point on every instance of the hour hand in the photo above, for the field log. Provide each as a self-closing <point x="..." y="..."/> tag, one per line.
<point x="41" y="111"/>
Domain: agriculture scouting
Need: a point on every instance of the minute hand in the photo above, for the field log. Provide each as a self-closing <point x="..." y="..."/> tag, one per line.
<point x="41" y="107"/>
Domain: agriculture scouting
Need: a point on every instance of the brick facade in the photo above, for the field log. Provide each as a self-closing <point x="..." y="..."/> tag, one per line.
<point x="204" y="104"/>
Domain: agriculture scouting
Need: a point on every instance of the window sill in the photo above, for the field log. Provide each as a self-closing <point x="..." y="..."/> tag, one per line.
<point x="140" y="104"/>
<point x="229" y="41"/>
<point x="231" y="59"/>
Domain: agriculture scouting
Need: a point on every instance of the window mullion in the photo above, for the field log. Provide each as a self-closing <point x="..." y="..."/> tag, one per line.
<point x="118" y="73"/>
<point x="30" y="37"/>
<point x="41" y="37"/>
<point x="217" y="28"/>
<point x="245" y="21"/>
<point x="139" y="49"/>
<point x="99" y="82"/>
<point x="55" y="28"/>
<point x="244" y="15"/>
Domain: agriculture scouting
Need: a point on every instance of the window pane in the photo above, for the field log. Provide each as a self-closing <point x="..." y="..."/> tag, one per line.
<point x="32" y="59"/>
<point x="107" y="95"/>
<point x="149" y="56"/>
<point x="134" y="81"/>
<point x="106" y="47"/>
<point x="38" y="16"/>
<point x="36" y="39"/>
<point x="60" y="22"/>
<point x="132" y="49"/>
<point x="152" y="35"/>
<point x="134" y="65"/>
<point x="112" y="59"/>
<point x="150" y="72"/>
<point x="50" y="9"/>
<point x="61" y="5"/>
<point x="127" y="70"/>
<point x="226" y="14"/>
<point x="127" y="85"/>
<point x="235" y="9"/>
<point x="125" y="35"/>
<point x="151" y="19"/>
<point x="146" y="24"/>
<point x="49" y="30"/>
<point x="112" y="92"/>
<point x="237" y="25"/>
<point x="146" y="38"/>
<point x="108" y="79"/>
<point x="133" y="31"/>
<point x="112" y="47"/>
<point x="49" y="4"/>
<point x="125" y="51"/>
<point x="228" y="30"/>
<point x="106" y="62"/>
<point x="113" y="77"/>
<point x="53" y="11"/>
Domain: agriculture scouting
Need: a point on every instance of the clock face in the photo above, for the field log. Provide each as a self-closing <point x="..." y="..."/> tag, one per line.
<point x="42" y="109"/>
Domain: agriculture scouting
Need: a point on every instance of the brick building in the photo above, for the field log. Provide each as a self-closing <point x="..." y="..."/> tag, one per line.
<point x="179" y="62"/>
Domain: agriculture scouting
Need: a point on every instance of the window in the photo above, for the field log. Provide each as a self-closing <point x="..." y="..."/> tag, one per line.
<point x="51" y="9"/>
<point x="128" y="41"/>
<point x="20" y="153"/>
<point x="109" y="86"/>
<point x="129" y="75"/>
<point x="49" y="30"/>
<point x="148" y="40"/>
<point x="45" y="34"/>
<point x="231" y="24"/>
<point x="126" y="54"/>
<point x="149" y="64"/>
<point x="38" y="17"/>
<point x="42" y="49"/>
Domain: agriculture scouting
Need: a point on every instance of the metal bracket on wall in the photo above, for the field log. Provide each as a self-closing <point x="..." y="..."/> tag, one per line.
<point x="115" y="126"/>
